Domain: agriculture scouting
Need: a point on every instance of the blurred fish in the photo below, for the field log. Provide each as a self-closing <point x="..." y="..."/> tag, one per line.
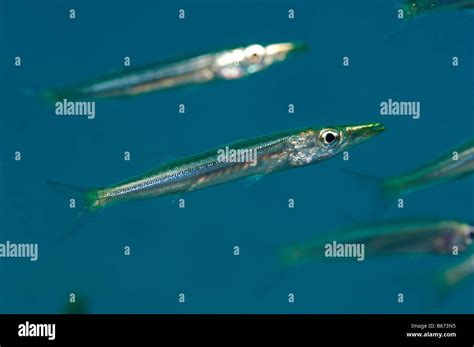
<point x="271" y="153"/>
<point x="228" y="64"/>
<point x="397" y="237"/>
<point x="456" y="164"/>
<point x="456" y="274"/>
<point x="415" y="8"/>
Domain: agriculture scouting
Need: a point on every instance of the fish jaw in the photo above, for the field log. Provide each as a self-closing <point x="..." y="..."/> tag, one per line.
<point x="313" y="145"/>
<point x="356" y="134"/>
<point x="280" y="51"/>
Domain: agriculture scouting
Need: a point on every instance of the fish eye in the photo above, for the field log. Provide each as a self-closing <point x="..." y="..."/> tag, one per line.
<point x="329" y="137"/>
<point x="254" y="54"/>
<point x="254" y="58"/>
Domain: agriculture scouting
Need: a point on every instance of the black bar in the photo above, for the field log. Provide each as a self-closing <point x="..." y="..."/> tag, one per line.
<point x="321" y="330"/>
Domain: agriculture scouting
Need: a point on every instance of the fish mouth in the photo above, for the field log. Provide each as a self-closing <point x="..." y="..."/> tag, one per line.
<point x="363" y="132"/>
<point x="282" y="50"/>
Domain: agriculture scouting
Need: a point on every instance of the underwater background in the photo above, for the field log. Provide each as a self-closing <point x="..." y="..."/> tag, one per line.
<point x="190" y="250"/>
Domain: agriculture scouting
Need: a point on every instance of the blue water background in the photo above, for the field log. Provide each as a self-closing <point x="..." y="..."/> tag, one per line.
<point x="190" y="250"/>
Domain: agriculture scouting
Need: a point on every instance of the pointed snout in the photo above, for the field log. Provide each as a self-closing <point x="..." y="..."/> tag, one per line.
<point x="363" y="132"/>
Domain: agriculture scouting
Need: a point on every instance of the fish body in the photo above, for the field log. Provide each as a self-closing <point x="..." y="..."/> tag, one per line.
<point x="228" y="64"/>
<point x="272" y="153"/>
<point x="399" y="237"/>
<point x="453" y="165"/>
<point x="414" y="8"/>
<point x="457" y="273"/>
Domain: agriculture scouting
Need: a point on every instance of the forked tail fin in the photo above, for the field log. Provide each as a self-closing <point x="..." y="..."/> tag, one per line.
<point x="84" y="200"/>
<point x="52" y="96"/>
<point x="291" y="255"/>
<point x="47" y="97"/>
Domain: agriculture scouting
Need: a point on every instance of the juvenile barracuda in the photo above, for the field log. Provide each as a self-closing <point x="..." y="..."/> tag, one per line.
<point x="453" y="165"/>
<point x="457" y="273"/>
<point x="228" y="64"/>
<point x="457" y="163"/>
<point x="271" y="153"/>
<point x="414" y="8"/>
<point x="398" y="237"/>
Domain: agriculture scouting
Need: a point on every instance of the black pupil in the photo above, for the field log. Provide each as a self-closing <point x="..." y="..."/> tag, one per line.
<point x="330" y="137"/>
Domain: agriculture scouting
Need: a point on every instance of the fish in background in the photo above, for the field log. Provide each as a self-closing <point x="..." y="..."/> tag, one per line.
<point x="271" y="153"/>
<point x="455" y="164"/>
<point x="412" y="9"/>
<point x="229" y="64"/>
<point x="415" y="8"/>
<point x="388" y="238"/>
<point x="454" y="275"/>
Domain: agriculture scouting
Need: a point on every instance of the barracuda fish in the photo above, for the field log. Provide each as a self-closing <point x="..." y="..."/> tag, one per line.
<point x="400" y="237"/>
<point x="453" y="165"/>
<point x="415" y="8"/>
<point x="276" y="152"/>
<point x="447" y="167"/>
<point x="458" y="273"/>
<point x="223" y="65"/>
